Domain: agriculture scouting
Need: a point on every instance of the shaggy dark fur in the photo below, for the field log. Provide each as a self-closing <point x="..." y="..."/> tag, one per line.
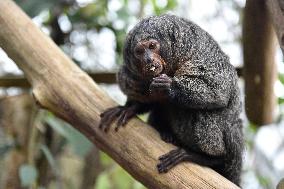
<point x="194" y="103"/>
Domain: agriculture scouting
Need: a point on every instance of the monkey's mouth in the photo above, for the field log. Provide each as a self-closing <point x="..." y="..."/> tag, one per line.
<point x="154" y="69"/>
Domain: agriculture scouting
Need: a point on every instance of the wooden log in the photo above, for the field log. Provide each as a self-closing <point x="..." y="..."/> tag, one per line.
<point x="259" y="48"/>
<point x="22" y="82"/>
<point x="276" y="11"/>
<point x="61" y="87"/>
<point x="106" y="78"/>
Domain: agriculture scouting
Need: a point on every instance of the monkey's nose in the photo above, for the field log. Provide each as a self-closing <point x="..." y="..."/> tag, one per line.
<point x="149" y="60"/>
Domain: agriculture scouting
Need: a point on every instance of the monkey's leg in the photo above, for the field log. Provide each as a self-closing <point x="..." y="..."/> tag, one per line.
<point x="166" y="135"/>
<point x="158" y="122"/>
<point x="174" y="157"/>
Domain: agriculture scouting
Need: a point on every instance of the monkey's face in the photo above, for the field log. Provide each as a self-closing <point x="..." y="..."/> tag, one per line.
<point x="149" y="62"/>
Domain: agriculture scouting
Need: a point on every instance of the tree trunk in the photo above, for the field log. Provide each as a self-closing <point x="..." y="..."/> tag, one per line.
<point x="276" y="10"/>
<point x="259" y="46"/>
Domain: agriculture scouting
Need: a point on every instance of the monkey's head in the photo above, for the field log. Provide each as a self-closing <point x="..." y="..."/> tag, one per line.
<point x="148" y="60"/>
<point x="151" y="47"/>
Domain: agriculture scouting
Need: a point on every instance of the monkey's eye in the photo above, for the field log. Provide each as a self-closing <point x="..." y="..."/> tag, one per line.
<point x="152" y="45"/>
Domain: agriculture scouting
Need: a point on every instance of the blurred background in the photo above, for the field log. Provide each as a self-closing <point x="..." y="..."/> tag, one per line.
<point x="38" y="150"/>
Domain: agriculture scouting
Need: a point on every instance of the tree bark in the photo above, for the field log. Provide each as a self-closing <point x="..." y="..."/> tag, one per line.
<point x="61" y="87"/>
<point x="259" y="47"/>
<point x="21" y="81"/>
<point x="276" y="11"/>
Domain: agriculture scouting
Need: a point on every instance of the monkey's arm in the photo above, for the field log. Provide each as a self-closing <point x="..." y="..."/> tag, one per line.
<point x="122" y="113"/>
<point x="202" y="86"/>
<point x="136" y="101"/>
<point x="196" y="85"/>
<point x="134" y="88"/>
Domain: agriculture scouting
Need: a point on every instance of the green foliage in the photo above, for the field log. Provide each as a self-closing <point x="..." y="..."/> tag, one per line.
<point x="93" y="15"/>
<point x="116" y="177"/>
<point x="28" y="175"/>
<point x="49" y="157"/>
<point x="171" y="4"/>
<point x="281" y="78"/>
<point x="35" y="7"/>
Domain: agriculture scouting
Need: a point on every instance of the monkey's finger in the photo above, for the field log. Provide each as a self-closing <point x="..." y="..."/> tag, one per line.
<point x="159" y="86"/>
<point x="171" y="159"/>
<point x="172" y="153"/>
<point x="165" y="166"/>
<point x="162" y="80"/>
<point x="127" y="117"/>
<point x="108" y="110"/>
<point x="105" y="112"/>
<point x="120" y="119"/>
<point x="107" y="120"/>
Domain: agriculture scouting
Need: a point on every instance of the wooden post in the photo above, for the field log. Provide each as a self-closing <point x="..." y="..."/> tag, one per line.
<point x="259" y="46"/>
<point x="61" y="87"/>
<point x="276" y="10"/>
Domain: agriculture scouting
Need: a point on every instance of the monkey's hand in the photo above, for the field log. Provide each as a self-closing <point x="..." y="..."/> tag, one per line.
<point x="160" y="88"/>
<point x="122" y="113"/>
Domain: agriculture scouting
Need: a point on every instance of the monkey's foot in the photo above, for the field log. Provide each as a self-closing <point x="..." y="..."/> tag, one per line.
<point x="171" y="159"/>
<point x="122" y="113"/>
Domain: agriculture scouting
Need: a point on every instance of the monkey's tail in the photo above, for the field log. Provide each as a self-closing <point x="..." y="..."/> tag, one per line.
<point x="233" y="138"/>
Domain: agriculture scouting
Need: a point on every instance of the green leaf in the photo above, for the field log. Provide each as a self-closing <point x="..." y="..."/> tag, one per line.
<point x="103" y="182"/>
<point x="138" y="185"/>
<point x="49" y="157"/>
<point x="280" y="100"/>
<point x="28" y="175"/>
<point x="105" y="159"/>
<point x="121" y="179"/>
<point x="281" y="78"/>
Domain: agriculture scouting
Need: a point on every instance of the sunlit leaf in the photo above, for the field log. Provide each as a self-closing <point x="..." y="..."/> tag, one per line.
<point x="49" y="157"/>
<point x="281" y="78"/>
<point x="121" y="179"/>
<point x="138" y="185"/>
<point x="103" y="182"/>
<point x="105" y="159"/>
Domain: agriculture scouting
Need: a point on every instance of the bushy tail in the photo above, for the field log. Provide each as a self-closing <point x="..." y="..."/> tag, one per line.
<point x="234" y="144"/>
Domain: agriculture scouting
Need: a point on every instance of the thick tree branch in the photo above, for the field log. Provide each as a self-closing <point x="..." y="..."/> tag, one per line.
<point x="21" y="81"/>
<point x="61" y="87"/>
